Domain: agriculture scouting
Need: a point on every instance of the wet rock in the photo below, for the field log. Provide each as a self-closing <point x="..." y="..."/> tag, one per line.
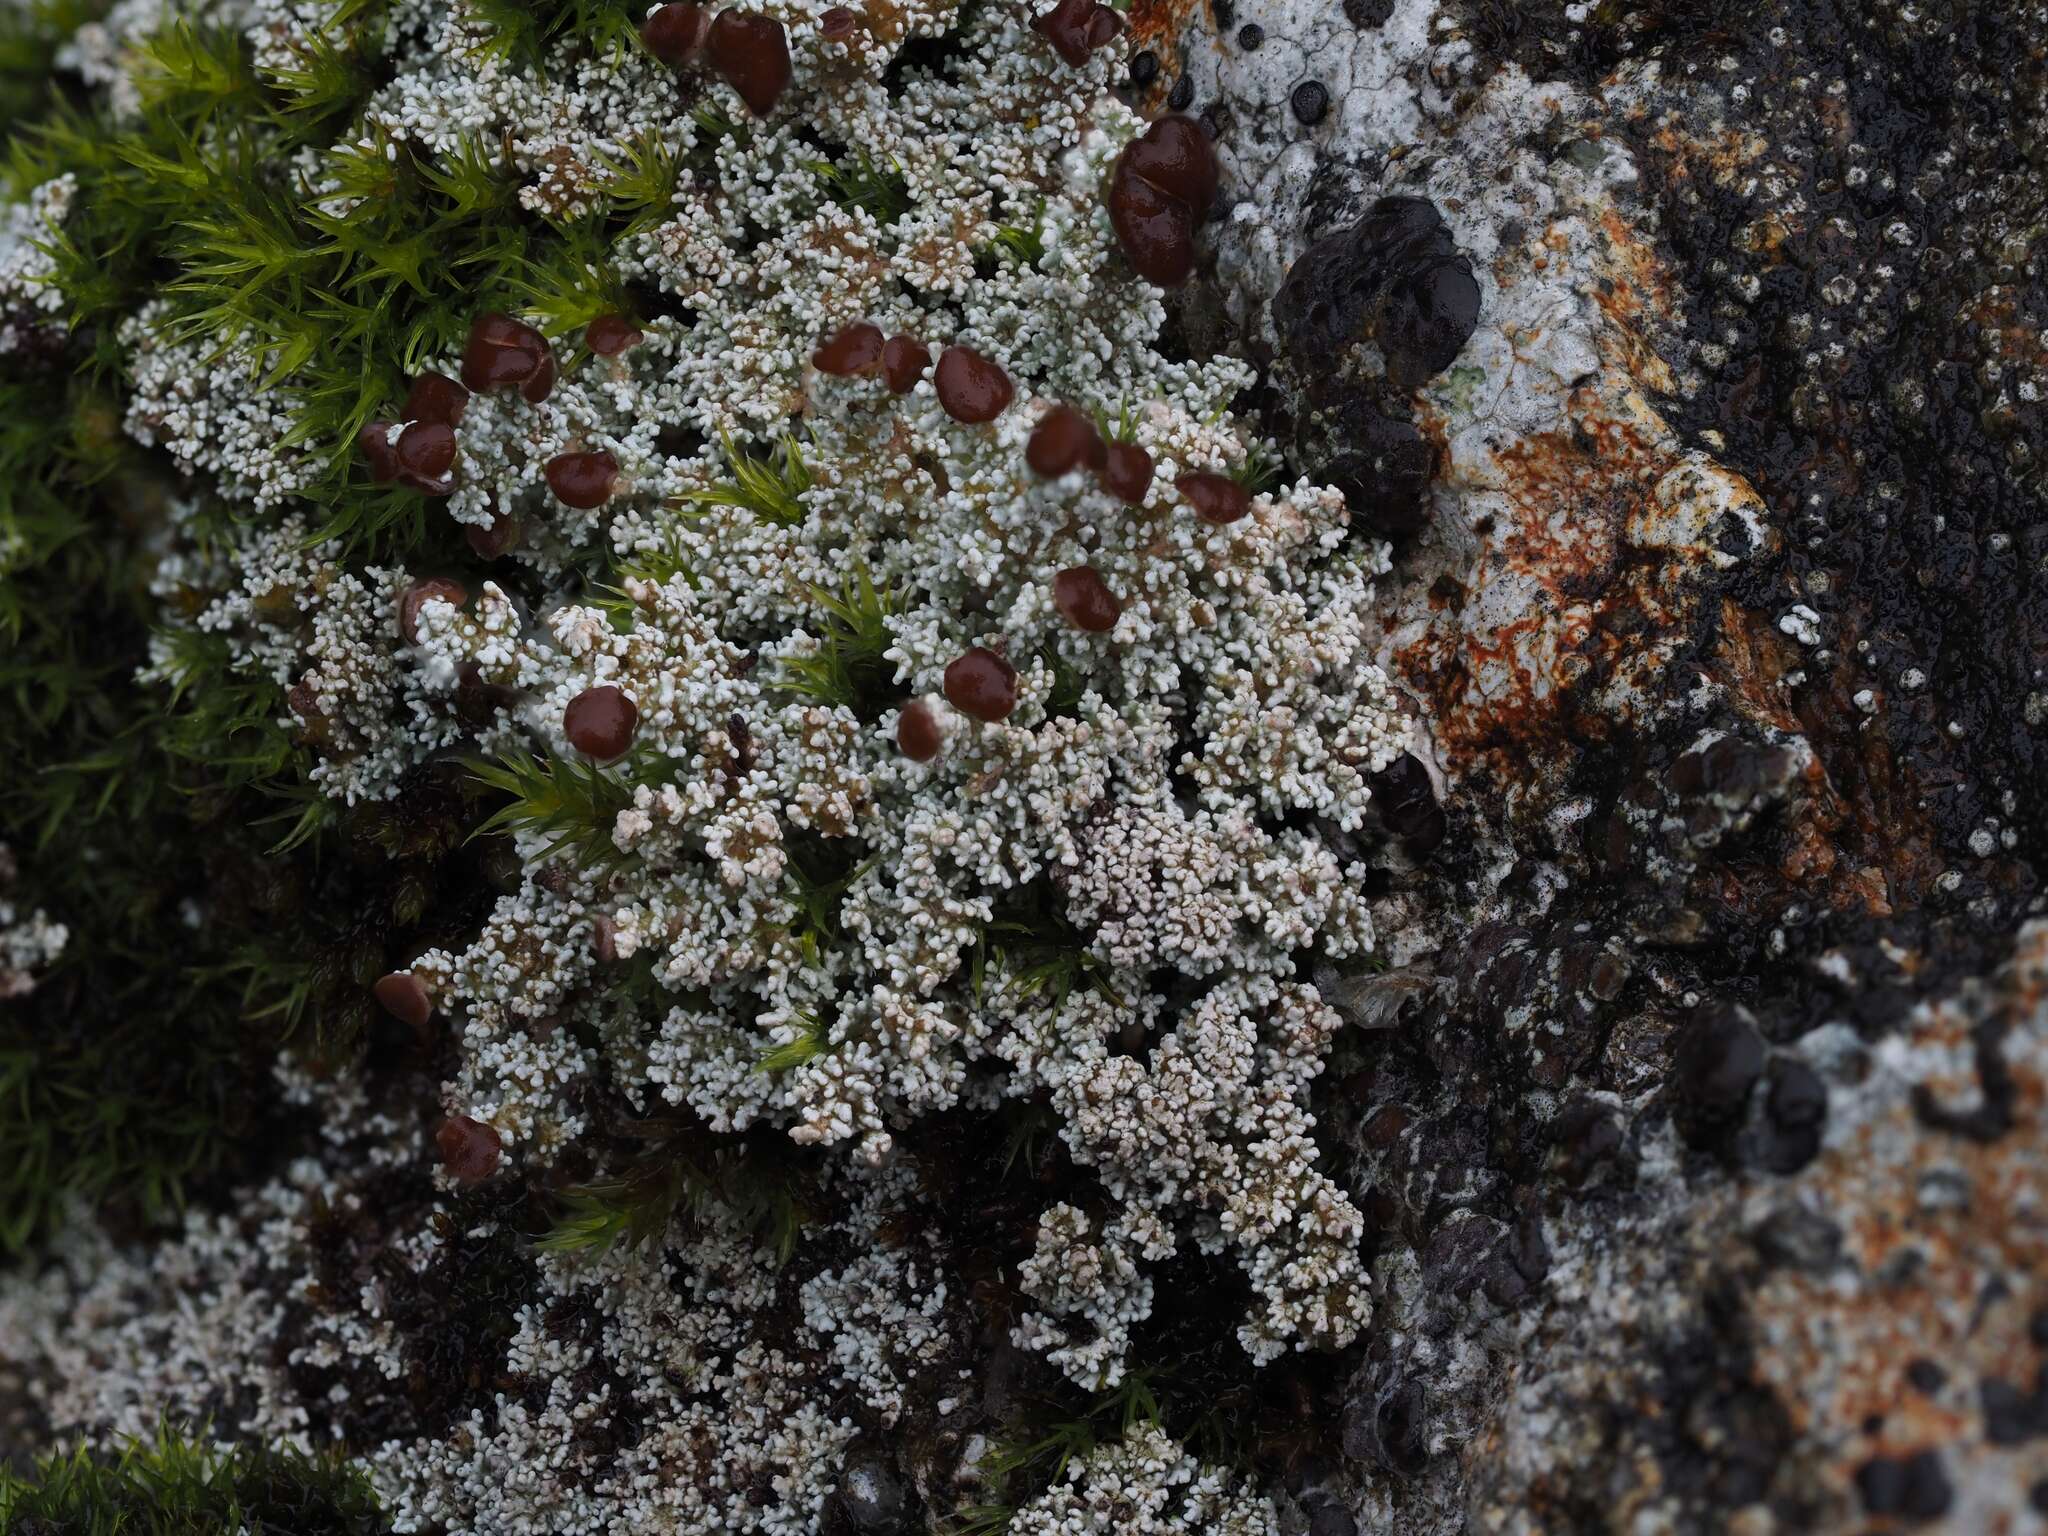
<point x="872" y="1496"/>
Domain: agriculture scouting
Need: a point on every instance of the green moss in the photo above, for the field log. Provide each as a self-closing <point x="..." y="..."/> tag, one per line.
<point x="339" y="295"/>
<point x="30" y="35"/>
<point x="526" y="30"/>
<point x="573" y="803"/>
<point x="1029" y="949"/>
<point x="217" y="905"/>
<point x="1023" y="243"/>
<point x="857" y="180"/>
<point x="1020" y="1467"/>
<point x="669" y="1168"/>
<point x="175" y="1486"/>
<point x="771" y="486"/>
<point x="849" y="666"/>
<point x="145" y="819"/>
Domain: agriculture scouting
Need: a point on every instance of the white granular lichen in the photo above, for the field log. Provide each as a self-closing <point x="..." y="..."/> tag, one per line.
<point x="1144" y="1485"/>
<point x="29" y="294"/>
<point x="1173" y="790"/>
<point x="782" y="920"/>
<point x="30" y="941"/>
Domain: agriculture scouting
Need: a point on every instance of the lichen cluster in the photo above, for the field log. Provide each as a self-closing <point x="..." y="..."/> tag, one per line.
<point x="704" y="716"/>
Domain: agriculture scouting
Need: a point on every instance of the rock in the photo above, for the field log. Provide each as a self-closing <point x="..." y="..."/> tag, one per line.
<point x="872" y="1496"/>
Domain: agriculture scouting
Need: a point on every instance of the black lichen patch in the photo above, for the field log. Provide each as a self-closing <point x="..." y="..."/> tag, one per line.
<point x="1870" y="375"/>
<point x="1381" y="462"/>
<point x="1720" y="1436"/>
<point x="1913" y="1489"/>
<point x="1394" y="278"/>
<point x="1368" y="312"/>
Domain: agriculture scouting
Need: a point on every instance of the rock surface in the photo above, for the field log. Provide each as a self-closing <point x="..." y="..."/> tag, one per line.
<point x="1702" y="1118"/>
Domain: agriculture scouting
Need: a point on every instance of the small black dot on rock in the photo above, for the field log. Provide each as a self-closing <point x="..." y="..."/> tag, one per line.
<point x="1927" y="1377"/>
<point x="1182" y="93"/>
<point x="1310" y="101"/>
<point x="1913" y="1487"/>
<point x="1212" y="125"/>
<point x="1367" y="13"/>
<point x="2011" y="1416"/>
<point x="1144" y="67"/>
<point x="1250" y="35"/>
<point x="1226" y="13"/>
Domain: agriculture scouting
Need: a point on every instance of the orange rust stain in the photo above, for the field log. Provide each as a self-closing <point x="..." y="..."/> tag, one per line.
<point x="1159" y="25"/>
<point x="1501" y="691"/>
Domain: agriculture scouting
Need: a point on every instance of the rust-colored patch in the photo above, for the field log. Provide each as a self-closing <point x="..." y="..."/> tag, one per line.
<point x="1504" y="691"/>
<point x="1158" y="26"/>
<point x="1884" y="826"/>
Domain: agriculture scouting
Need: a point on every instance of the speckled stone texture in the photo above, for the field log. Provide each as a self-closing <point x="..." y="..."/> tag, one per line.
<point x="1701" y="1118"/>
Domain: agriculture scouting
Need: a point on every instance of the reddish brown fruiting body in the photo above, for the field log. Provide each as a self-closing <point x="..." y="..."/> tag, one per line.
<point x="675" y="34"/>
<point x="1216" y="498"/>
<point x="1084" y="599"/>
<point x="425" y="453"/>
<point x="1127" y="473"/>
<point x="917" y="732"/>
<point x="599" y="722"/>
<point x="1062" y="440"/>
<point x="582" y="480"/>
<point x="609" y="335"/>
<point x="469" y="1149"/>
<point x="604" y="940"/>
<point x="412" y="461"/>
<point x="478" y="702"/>
<point x="1163" y="185"/>
<point x="401" y="995"/>
<point x="493" y="539"/>
<point x="856" y="349"/>
<point x="504" y="353"/>
<point x="1076" y="28"/>
<point x="375" y="442"/>
<point x="904" y="360"/>
<point x="982" y="684"/>
<point x="304" y="702"/>
<point x="417" y="596"/>
<point x="435" y="397"/>
<point x="1175" y="155"/>
<point x="752" y="52"/>
<point x="971" y="388"/>
<point x="837" y="24"/>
